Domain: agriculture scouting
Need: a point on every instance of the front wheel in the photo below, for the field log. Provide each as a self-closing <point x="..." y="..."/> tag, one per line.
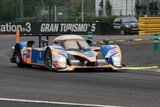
<point x="18" y="59"/>
<point x="48" y="60"/>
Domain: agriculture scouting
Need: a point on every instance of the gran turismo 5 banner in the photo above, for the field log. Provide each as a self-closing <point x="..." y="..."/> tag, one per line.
<point x="48" y="28"/>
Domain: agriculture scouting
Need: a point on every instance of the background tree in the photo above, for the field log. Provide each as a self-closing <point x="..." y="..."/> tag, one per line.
<point x="8" y="10"/>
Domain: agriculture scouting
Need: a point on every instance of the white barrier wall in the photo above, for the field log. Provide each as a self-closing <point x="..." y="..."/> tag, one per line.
<point x="123" y="7"/>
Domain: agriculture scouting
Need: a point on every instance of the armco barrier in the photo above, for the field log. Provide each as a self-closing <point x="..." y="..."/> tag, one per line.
<point x="149" y="25"/>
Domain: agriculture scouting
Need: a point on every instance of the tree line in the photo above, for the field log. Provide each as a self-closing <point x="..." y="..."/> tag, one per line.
<point x="12" y="10"/>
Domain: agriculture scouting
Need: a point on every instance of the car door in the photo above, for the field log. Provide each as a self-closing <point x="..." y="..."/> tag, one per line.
<point x="117" y="23"/>
<point x="38" y="56"/>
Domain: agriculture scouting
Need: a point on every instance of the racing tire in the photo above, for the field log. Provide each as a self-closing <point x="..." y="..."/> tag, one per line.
<point x="48" y="60"/>
<point x="18" y="59"/>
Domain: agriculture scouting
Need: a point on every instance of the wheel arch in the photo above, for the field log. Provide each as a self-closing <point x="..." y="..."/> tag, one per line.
<point x="20" y="45"/>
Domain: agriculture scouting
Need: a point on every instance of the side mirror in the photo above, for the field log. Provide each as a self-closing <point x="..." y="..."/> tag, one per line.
<point x="30" y="43"/>
<point x="89" y="42"/>
<point x="96" y="49"/>
<point x="44" y="41"/>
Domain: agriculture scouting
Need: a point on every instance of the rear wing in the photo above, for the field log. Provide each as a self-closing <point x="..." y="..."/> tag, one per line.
<point x="41" y="42"/>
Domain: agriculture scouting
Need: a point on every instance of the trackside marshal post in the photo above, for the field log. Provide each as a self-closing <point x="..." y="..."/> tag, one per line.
<point x="90" y="37"/>
<point x="155" y="43"/>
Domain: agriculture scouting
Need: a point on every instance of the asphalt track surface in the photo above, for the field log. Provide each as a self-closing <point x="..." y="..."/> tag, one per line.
<point x="127" y="88"/>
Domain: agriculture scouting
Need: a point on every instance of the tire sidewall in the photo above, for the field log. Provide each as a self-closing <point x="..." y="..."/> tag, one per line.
<point x="18" y="59"/>
<point x="48" y="50"/>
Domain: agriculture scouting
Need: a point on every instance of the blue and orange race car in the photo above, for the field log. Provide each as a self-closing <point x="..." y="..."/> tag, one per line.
<point x="67" y="53"/>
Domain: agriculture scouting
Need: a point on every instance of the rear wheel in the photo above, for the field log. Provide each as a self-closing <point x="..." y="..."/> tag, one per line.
<point x="48" y="59"/>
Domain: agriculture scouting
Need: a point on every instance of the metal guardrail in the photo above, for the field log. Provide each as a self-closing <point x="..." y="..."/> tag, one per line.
<point x="149" y="25"/>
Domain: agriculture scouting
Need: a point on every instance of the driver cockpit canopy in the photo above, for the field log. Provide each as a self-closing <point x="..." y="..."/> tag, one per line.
<point x="30" y="43"/>
<point x="71" y="42"/>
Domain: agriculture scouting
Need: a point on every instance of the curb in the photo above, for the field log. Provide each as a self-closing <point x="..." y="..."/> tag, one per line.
<point x="119" y="40"/>
<point x="123" y="41"/>
<point x="140" y="68"/>
<point x="137" y="40"/>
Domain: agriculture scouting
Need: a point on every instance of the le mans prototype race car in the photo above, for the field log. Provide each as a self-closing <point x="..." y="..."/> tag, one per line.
<point x="67" y="53"/>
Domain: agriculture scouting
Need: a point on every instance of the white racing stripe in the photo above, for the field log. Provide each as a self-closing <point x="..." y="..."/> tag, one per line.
<point x="52" y="102"/>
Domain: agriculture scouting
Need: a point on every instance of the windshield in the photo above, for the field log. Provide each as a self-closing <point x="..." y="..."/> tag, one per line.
<point x="76" y="45"/>
<point x="129" y="19"/>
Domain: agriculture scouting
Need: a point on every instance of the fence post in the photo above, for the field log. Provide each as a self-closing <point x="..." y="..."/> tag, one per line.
<point x="155" y="42"/>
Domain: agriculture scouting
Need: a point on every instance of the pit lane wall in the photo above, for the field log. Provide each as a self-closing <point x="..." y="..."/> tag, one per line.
<point x="57" y="28"/>
<point x="149" y="25"/>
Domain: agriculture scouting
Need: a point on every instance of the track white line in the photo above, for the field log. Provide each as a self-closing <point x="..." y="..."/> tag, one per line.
<point x="52" y="102"/>
<point x="140" y="68"/>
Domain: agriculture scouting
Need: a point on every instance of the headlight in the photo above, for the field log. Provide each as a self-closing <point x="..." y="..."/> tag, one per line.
<point x="62" y="61"/>
<point x="13" y="49"/>
<point x="127" y="26"/>
<point x="116" y="60"/>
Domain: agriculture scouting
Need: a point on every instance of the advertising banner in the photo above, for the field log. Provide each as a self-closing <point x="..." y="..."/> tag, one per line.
<point x="48" y="28"/>
<point x="57" y="28"/>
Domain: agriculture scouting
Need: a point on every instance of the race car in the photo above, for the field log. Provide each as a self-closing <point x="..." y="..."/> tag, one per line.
<point x="67" y="53"/>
